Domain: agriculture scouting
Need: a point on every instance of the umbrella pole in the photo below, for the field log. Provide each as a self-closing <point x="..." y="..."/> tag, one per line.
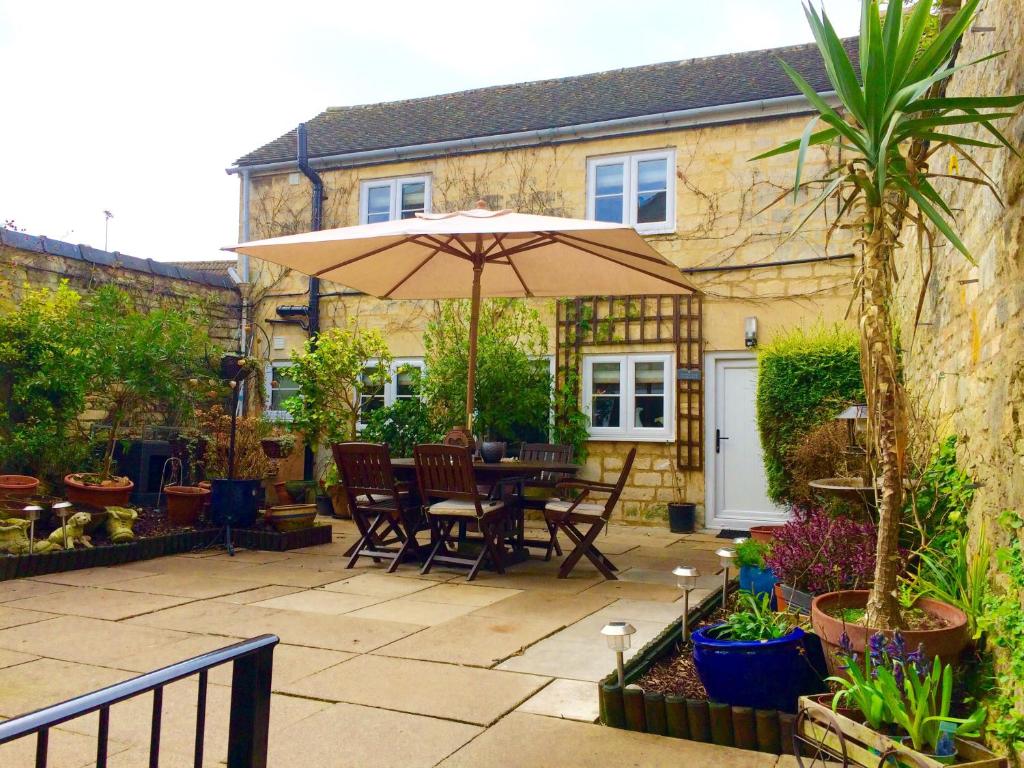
<point x="474" y="327"/>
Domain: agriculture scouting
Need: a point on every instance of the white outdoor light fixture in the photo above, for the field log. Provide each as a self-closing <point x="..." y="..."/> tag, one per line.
<point x="739" y="539"/>
<point x="750" y="332"/>
<point x="686" y="580"/>
<point x="32" y="514"/>
<point x="62" y="509"/>
<point x="617" y="634"/>
<point x="725" y="557"/>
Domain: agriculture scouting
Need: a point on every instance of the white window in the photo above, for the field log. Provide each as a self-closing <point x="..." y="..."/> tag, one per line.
<point x="391" y="199"/>
<point x="637" y="189"/>
<point x="279" y="387"/>
<point x="629" y="397"/>
<point x="400" y="386"/>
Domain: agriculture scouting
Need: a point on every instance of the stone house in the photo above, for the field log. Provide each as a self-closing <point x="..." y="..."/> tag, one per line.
<point x="665" y="148"/>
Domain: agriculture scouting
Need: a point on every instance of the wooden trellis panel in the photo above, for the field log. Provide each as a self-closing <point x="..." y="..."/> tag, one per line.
<point x="592" y="323"/>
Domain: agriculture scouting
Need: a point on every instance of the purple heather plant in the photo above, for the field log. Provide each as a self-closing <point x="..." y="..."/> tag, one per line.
<point x="816" y="552"/>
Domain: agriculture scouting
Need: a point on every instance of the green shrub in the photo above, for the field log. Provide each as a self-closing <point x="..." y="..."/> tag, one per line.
<point x="401" y="425"/>
<point x="805" y="378"/>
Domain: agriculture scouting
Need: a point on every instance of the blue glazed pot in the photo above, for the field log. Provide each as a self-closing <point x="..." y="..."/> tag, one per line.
<point x="771" y="674"/>
<point x="758" y="580"/>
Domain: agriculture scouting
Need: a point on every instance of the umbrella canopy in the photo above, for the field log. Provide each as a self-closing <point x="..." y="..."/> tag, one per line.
<point x="478" y="253"/>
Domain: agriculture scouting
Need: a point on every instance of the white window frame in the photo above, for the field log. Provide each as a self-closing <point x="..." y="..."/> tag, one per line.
<point x="626" y="430"/>
<point x="394" y="186"/>
<point x="268" y="386"/>
<point x="391" y="386"/>
<point x="630" y="178"/>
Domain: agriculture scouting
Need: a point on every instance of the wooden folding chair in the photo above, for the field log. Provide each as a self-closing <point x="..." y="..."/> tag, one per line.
<point x="450" y="496"/>
<point x="381" y="508"/>
<point x="536" y="492"/>
<point x="566" y="516"/>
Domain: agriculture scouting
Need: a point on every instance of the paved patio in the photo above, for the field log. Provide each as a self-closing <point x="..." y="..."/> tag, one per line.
<point x="372" y="670"/>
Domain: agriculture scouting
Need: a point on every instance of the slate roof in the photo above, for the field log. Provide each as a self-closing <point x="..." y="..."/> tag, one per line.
<point x="209" y="267"/>
<point x="90" y="255"/>
<point x="597" y="97"/>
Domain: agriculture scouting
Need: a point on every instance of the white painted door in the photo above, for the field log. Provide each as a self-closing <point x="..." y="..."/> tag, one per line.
<point x="737" y="496"/>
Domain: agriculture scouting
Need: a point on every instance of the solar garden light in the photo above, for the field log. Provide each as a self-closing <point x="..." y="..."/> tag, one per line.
<point x="725" y="557"/>
<point x="62" y="509"/>
<point x="32" y="514"/>
<point x="617" y="634"/>
<point x="686" y="580"/>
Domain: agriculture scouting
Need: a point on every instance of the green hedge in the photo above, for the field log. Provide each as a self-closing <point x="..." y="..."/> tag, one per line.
<point x="805" y="377"/>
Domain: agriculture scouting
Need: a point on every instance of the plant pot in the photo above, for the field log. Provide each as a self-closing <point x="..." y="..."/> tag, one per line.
<point x="339" y="502"/>
<point x="682" y="517"/>
<point x="769" y="674"/>
<point x="234" y="502"/>
<point x="757" y="580"/>
<point x="78" y="492"/>
<point x="230" y="366"/>
<point x="792" y="599"/>
<point x="825" y="700"/>
<point x="492" y="451"/>
<point x="946" y="643"/>
<point x="274" y="448"/>
<point x="300" y="491"/>
<point x="184" y="503"/>
<point x="291" y="517"/>
<point x="18" y="486"/>
<point x="763" y="533"/>
<point x="324" y="506"/>
<point x="281" y="491"/>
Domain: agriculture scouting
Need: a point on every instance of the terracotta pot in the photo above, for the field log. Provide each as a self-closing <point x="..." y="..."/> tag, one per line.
<point x="946" y="643"/>
<point x="825" y="700"/>
<point x="78" y="492"/>
<point x="19" y="486"/>
<point x="763" y="533"/>
<point x="184" y="503"/>
<point x="339" y="501"/>
<point x="206" y="503"/>
<point x="281" y="491"/>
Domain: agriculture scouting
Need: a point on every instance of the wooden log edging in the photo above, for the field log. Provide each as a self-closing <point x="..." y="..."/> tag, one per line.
<point x="763" y="730"/>
<point x="21" y="566"/>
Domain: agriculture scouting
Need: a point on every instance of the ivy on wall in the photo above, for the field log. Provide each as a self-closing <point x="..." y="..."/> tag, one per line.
<point x="805" y="377"/>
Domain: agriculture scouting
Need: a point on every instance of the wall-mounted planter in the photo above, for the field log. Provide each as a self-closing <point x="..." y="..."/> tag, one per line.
<point x="763" y="730"/>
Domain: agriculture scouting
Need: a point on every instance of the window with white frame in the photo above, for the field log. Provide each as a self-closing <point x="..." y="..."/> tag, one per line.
<point x="629" y="397"/>
<point x="279" y="387"/>
<point x="636" y="189"/>
<point x="391" y="199"/>
<point x="400" y="386"/>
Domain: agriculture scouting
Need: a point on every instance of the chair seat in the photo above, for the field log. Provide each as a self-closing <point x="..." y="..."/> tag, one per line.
<point x="463" y="507"/>
<point x="590" y="510"/>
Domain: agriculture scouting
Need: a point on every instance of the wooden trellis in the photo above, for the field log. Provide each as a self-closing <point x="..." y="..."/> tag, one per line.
<point x="587" y="325"/>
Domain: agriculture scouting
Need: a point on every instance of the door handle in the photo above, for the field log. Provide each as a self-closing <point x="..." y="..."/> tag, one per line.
<point x="718" y="440"/>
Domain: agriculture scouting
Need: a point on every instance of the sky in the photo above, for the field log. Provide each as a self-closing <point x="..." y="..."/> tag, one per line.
<point x="138" y="107"/>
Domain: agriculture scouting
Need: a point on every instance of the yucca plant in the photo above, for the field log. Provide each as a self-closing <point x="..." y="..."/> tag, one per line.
<point x="891" y="119"/>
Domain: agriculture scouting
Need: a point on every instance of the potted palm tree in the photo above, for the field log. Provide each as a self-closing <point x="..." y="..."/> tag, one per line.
<point x="893" y="116"/>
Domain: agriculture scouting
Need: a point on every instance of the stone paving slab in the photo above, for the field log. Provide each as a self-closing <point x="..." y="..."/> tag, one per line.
<point x="353" y="736"/>
<point x="197" y="586"/>
<point x="522" y="740"/>
<point x="560" y="609"/>
<point x="319" y="601"/>
<point x="454" y="593"/>
<point x="90" y="641"/>
<point x="95" y="577"/>
<point x="16" y="589"/>
<point x="13" y="617"/>
<point x="64" y="750"/>
<point x="98" y="603"/>
<point x="569" y="699"/>
<point x="620" y="588"/>
<point x="411" y="611"/>
<point x="291" y="663"/>
<point x="379" y="585"/>
<point x="13" y="658"/>
<point x="292" y="573"/>
<point x="43" y="682"/>
<point x="258" y="594"/>
<point x="466" y="694"/>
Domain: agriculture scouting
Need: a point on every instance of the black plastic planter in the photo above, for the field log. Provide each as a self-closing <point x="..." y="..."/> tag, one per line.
<point x="682" y="517"/>
<point x="234" y="501"/>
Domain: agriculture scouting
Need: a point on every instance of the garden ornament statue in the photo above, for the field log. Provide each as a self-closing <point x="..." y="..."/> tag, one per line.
<point x="71" y="533"/>
<point x="14" y="538"/>
<point x="119" y="524"/>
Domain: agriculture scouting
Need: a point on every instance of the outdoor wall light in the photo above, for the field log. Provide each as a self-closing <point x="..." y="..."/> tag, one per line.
<point x="62" y="509"/>
<point x="750" y="332"/>
<point x="686" y="580"/>
<point x="617" y="634"/>
<point x="725" y="557"/>
<point x="32" y="514"/>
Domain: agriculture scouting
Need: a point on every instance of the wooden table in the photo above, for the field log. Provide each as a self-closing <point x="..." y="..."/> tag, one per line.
<point x="490" y="475"/>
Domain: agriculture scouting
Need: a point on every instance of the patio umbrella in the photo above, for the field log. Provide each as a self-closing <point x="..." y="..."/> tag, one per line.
<point x="478" y="253"/>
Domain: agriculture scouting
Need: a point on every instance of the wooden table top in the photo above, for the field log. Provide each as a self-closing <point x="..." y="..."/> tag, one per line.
<point x="506" y="467"/>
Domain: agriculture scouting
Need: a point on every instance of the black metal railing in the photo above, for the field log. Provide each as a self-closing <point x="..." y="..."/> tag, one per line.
<point x="250" y="706"/>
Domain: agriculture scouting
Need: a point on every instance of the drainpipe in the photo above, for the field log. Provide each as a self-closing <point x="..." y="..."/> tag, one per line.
<point x="316" y="223"/>
<point x="243" y="289"/>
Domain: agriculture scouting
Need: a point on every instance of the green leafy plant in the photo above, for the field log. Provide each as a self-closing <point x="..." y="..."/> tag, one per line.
<point x="44" y="373"/>
<point x="333" y="372"/>
<point x="805" y="378"/>
<point x="889" y="123"/>
<point x="401" y="426"/>
<point x="939" y="498"/>
<point x="753" y="620"/>
<point x="572" y="427"/>
<point x="751" y="554"/>
<point x="513" y="384"/>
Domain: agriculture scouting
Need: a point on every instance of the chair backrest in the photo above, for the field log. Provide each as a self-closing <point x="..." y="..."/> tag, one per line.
<point x="365" y="470"/>
<point x="445" y="472"/>
<point x="554" y="452"/>
<point x="613" y="495"/>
